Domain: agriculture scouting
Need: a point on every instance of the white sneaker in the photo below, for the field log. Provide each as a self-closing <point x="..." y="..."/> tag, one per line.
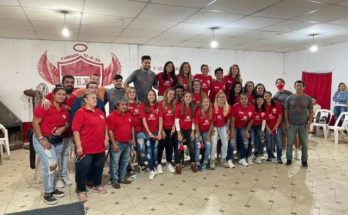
<point x="230" y="164"/>
<point x="155" y="171"/>
<point x="243" y="162"/>
<point x="170" y="168"/>
<point x="258" y="160"/>
<point x="250" y="161"/>
<point x="152" y="175"/>
<point x="60" y="183"/>
<point x="159" y="169"/>
<point x="66" y="180"/>
<point x="296" y="155"/>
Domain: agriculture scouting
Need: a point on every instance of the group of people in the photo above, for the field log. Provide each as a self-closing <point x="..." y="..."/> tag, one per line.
<point x="208" y="117"/>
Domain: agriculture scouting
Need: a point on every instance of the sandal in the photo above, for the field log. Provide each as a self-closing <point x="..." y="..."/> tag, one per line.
<point x="100" y="189"/>
<point x="82" y="196"/>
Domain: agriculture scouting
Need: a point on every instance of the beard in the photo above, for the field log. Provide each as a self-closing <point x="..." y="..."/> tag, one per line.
<point x="69" y="89"/>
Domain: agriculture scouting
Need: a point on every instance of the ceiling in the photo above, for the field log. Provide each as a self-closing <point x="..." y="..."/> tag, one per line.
<point x="258" y="25"/>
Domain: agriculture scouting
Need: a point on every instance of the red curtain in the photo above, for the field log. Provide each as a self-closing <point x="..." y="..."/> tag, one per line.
<point x="318" y="85"/>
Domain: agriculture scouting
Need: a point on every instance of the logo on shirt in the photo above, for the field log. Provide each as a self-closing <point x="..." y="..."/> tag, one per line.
<point x="263" y="114"/>
<point x="64" y="116"/>
<point x="101" y="116"/>
<point x="274" y="110"/>
<point x="250" y="114"/>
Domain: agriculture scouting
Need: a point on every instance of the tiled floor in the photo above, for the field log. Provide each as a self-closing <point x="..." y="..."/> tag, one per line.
<point x="267" y="188"/>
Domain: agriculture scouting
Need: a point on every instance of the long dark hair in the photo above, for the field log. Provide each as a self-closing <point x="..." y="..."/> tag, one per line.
<point x="181" y="74"/>
<point x="147" y="102"/>
<point x="263" y="107"/>
<point x="255" y="89"/>
<point x="232" y="98"/>
<point x="172" y="74"/>
<point x="272" y="100"/>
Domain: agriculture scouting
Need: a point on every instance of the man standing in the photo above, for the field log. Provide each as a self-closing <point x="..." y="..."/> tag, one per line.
<point x="100" y="91"/>
<point x="144" y="79"/>
<point x="298" y="116"/>
<point x="113" y="94"/>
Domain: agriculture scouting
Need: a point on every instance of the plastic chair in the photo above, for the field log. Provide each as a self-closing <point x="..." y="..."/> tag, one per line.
<point x="322" y="118"/>
<point x="341" y="124"/>
<point x="4" y="142"/>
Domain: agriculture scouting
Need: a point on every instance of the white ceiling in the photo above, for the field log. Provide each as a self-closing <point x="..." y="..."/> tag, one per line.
<point x="262" y="25"/>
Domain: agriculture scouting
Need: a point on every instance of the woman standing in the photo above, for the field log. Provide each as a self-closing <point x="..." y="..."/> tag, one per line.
<point x="91" y="138"/>
<point x="167" y="107"/>
<point x="197" y="93"/>
<point x="221" y="120"/>
<point x="204" y="78"/>
<point x="166" y="79"/>
<point x="256" y="129"/>
<point x="232" y="77"/>
<point x="274" y="131"/>
<point x="185" y="76"/>
<point x="248" y="90"/>
<point x="184" y="124"/>
<point x="240" y="127"/>
<point x="218" y="84"/>
<point x="340" y="98"/>
<point x="49" y="126"/>
<point x="204" y="130"/>
<point x="151" y="116"/>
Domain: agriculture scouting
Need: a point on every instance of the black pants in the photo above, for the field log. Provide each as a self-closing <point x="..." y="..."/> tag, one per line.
<point x="186" y="135"/>
<point x="167" y="144"/>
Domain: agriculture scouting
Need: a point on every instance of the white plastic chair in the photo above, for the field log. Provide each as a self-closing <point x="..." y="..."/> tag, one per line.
<point x="343" y="127"/>
<point x="4" y="142"/>
<point x="322" y="114"/>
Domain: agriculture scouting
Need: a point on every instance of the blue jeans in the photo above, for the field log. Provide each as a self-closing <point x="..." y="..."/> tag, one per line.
<point x="338" y="110"/>
<point x="119" y="162"/>
<point x="303" y="136"/>
<point x="275" y="139"/>
<point x="151" y="151"/>
<point x="230" y="149"/>
<point x="91" y="164"/>
<point x="49" y="159"/>
<point x="222" y="133"/>
<point x="65" y="156"/>
<point x="141" y="151"/>
<point x="207" y="149"/>
<point x="244" y="145"/>
<point x="256" y="136"/>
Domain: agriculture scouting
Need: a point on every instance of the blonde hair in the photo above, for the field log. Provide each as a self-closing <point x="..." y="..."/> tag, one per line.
<point x="136" y="99"/>
<point x="238" y="76"/>
<point x="165" y="100"/>
<point x="226" y="107"/>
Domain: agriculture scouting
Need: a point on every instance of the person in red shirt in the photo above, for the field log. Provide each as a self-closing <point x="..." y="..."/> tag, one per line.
<point x="248" y="90"/>
<point x="91" y="140"/>
<point x="221" y="120"/>
<point x="218" y="84"/>
<point x="197" y="93"/>
<point x="167" y="107"/>
<point x="258" y="127"/>
<point x="259" y="89"/>
<point x="184" y="124"/>
<point x="185" y="76"/>
<point x="166" y="79"/>
<point x="274" y="132"/>
<point x="235" y="92"/>
<point x="151" y="116"/>
<point x="204" y="130"/>
<point x="134" y="110"/>
<point x="204" y="78"/>
<point x="241" y="122"/>
<point x="232" y="77"/>
<point x="49" y="125"/>
<point x="121" y="133"/>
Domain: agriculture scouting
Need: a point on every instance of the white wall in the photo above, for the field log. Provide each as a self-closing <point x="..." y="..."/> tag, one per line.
<point x="19" y="60"/>
<point x="333" y="58"/>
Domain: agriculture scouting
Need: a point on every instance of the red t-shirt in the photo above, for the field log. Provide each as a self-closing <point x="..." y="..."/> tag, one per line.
<point x="164" y="84"/>
<point x="251" y="99"/>
<point x="229" y="84"/>
<point x="197" y="99"/>
<point x="92" y="127"/>
<point x="258" y="117"/>
<point x="68" y="101"/>
<point x="272" y="114"/>
<point x="219" y="120"/>
<point x="121" y="126"/>
<point x="152" y="118"/>
<point x="184" y="81"/>
<point x="205" y="82"/>
<point x="216" y="87"/>
<point x="184" y="120"/>
<point x="133" y="109"/>
<point x="204" y="122"/>
<point x="168" y="116"/>
<point x="242" y="114"/>
<point x="51" y="119"/>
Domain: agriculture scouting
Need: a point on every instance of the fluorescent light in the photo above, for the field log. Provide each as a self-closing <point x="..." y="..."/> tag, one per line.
<point x="214" y="44"/>
<point x="65" y="32"/>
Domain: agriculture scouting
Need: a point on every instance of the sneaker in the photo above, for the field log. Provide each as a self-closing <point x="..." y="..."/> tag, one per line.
<point x="269" y="160"/>
<point x="155" y="171"/>
<point x="258" y="160"/>
<point x="66" y="180"/>
<point x="304" y="164"/>
<point x="250" y="161"/>
<point x="199" y="168"/>
<point x="170" y="168"/>
<point x="243" y="162"/>
<point x="116" y="185"/>
<point x="152" y="175"/>
<point x="296" y="155"/>
<point x="280" y="161"/>
<point x="212" y="164"/>
<point x="60" y="183"/>
<point x="50" y="199"/>
<point x="159" y="169"/>
<point x="230" y="164"/>
<point x="288" y="162"/>
<point x="125" y="181"/>
<point x="58" y="194"/>
<point x="178" y="169"/>
<point x="224" y="163"/>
